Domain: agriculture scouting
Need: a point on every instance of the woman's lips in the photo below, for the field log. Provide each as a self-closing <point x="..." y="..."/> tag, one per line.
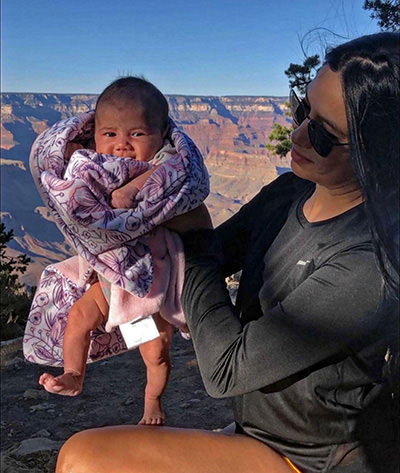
<point x="299" y="158"/>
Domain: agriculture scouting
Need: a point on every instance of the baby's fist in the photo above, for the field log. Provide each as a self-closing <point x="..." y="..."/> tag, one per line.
<point x="123" y="198"/>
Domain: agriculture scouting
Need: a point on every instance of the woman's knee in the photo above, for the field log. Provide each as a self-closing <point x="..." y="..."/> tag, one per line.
<point x="72" y="455"/>
<point x="104" y="449"/>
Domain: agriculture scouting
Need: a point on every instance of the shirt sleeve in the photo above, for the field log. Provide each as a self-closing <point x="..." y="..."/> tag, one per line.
<point x="332" y="310"/>
<point x="273" y="199"/>
<point x="234" y="235"/>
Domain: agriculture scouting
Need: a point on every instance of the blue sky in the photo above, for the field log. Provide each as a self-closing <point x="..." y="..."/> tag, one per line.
<point x="201" y="47"/>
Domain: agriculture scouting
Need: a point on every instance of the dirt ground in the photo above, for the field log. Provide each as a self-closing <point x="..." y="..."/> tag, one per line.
<point x="113" y="394"/>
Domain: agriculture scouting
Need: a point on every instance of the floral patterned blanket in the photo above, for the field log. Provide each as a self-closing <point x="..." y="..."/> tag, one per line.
<point x="120" y="244"/>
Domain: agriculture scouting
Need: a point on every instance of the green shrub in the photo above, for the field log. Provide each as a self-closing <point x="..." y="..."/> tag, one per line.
<point x="15" y="299"/>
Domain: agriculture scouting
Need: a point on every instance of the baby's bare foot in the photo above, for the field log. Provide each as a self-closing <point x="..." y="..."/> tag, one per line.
<point x="153" y="413"/>
<point x="67" y="384"/>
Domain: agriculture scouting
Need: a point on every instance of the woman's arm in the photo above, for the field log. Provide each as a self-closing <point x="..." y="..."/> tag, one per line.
<point x="331" y="310"/>
<point x="229" y="241"/>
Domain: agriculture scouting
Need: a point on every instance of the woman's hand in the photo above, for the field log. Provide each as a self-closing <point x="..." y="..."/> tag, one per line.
<point x="197" y="219"/>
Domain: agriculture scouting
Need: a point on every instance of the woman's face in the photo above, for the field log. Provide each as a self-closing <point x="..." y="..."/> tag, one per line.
<point x="325" y="99"/>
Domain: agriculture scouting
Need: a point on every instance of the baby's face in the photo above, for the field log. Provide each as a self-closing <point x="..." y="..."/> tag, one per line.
<point x="121" y="130"/>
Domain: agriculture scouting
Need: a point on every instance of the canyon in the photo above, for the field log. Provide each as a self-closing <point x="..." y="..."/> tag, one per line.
<point x="230" y="131"/>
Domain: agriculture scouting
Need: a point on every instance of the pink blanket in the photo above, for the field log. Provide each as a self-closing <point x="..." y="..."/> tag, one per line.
<point x="144" y="262"/>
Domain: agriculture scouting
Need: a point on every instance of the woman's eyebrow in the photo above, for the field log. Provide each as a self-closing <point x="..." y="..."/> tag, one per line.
<point x="325" y="120"/>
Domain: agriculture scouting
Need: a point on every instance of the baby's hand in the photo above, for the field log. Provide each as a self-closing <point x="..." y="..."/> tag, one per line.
<point x="70" y="148"/>
<point x="123" y="197"/>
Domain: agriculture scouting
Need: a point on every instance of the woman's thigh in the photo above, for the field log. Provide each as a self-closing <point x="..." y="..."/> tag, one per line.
<point x="140" y="449"/>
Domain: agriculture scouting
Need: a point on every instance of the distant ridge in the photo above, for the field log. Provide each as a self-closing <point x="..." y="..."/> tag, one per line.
<point x="231" y="131"/>
<point x="166" y="95"/>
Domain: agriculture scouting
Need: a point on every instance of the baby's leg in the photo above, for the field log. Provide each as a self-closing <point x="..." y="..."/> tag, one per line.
<point x="85" y="315"/>
<point x="156" y="357"/>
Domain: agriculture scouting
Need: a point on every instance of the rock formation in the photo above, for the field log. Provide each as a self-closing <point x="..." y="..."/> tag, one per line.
<point x="230" y="131"/>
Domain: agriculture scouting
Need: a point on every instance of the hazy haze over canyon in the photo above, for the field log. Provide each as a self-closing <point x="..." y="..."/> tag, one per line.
<point x="230" y="131"/>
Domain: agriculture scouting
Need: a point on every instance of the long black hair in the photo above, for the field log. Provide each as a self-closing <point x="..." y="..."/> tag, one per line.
<point x="370" y="72"/>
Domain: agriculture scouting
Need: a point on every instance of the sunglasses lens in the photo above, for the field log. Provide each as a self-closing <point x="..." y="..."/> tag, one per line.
<point x="318" y="138"/>
<point x="297" y="110"/>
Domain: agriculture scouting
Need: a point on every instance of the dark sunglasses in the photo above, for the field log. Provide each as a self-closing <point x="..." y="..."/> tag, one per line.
<point x="321" y="140"/>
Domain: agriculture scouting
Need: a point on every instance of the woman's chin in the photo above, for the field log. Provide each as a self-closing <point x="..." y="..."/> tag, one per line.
<point x="299" y="170"/>
<point x="300" y="165"/>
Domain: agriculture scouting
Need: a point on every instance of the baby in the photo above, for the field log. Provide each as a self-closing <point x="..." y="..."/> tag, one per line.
<point x="131" y="121"/>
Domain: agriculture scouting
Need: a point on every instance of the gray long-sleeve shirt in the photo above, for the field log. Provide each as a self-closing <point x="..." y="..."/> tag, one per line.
<point x="303" y="352"/>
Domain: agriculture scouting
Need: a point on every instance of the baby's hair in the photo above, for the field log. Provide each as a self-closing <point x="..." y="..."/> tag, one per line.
<point x="138" y="90"/>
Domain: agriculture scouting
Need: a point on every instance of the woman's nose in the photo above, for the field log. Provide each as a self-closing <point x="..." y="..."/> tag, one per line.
<point x="299" y="135"/>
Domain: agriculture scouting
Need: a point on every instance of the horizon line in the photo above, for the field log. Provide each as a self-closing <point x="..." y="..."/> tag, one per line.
<point x="166" y="95"/>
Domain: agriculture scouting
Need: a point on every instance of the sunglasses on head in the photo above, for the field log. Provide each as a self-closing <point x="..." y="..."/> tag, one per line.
<point x="321" y="140"/>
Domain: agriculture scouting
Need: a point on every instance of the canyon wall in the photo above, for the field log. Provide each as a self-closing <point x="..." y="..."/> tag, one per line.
<point x="230" y="131"/>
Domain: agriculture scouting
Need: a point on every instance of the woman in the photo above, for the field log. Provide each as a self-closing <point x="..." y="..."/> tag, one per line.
<point x="307" y="349"/>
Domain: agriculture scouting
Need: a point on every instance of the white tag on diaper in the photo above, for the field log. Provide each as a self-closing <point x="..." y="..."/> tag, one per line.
<point x="139" y="331"/>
